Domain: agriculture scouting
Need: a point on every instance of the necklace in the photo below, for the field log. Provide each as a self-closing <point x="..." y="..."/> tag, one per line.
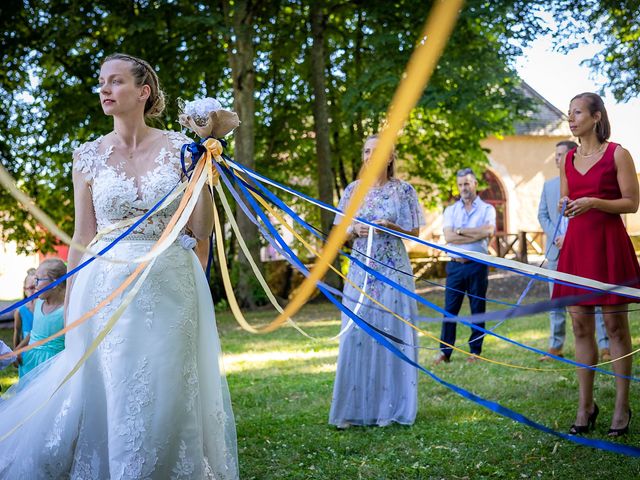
<point x="586" y="155"/>
<point x="129" y="152"/>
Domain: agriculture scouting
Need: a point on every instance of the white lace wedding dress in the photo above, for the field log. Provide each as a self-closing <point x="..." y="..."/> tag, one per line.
<point x="151" y="401"/>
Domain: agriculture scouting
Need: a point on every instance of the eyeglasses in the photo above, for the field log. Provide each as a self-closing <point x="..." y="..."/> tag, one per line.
<point x="39" y="280"/>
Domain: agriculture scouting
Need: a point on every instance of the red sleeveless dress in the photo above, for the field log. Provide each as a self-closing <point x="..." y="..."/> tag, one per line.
<point x="596" y="244"/>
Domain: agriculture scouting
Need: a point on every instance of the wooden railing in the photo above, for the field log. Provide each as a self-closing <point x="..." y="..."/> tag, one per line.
<point x="518" y="246"/>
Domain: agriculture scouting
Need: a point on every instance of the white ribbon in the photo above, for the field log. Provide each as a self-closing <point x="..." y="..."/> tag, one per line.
<point x="483" y="257"/>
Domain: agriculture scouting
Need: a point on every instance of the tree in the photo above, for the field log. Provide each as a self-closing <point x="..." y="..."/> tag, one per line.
<point x="240" y="15"/>
<point x="613" y="24"/>
<point x="51" y="53"/>
<point x="269" y="58"/>
<point x="318" y="21"/>
<point x="473" y="93"/>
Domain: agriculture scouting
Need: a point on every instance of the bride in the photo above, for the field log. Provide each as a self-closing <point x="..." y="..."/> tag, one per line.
<point x="151" y="400"/>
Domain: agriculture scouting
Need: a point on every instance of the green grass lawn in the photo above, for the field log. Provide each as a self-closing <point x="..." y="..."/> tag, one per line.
<point x="281" y="386"/>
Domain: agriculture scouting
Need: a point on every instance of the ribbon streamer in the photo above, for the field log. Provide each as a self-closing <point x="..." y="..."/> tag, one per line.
<point x="531" y="271"/>
<point x="502" y="315"/>
<point x="493" y="406"/>
<point x="187" y="202"/>
<point x="9" y="183"/>
<point x="58" y="281"/>
<point x="421" y="64"/>
<point x="224" y="271"/>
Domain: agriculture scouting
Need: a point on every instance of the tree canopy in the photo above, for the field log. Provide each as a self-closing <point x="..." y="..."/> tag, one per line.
<point x="615" y="26"/>
<point x="52" y="49"/>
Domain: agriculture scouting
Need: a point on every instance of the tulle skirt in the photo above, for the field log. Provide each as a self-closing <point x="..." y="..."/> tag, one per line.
<point x="150" y="402"/>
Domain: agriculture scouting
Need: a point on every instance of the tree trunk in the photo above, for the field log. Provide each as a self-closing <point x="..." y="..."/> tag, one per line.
<point x="239" y="16"/>
<point x="321" y="120"/>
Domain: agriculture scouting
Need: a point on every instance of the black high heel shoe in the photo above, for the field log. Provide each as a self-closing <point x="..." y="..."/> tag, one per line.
<point x="618" y="432"/>
<point x="591" y="423"/>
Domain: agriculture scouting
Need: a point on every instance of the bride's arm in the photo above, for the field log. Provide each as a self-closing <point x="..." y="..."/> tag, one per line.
<point x="85" y="225"/>
<point x="201" y="220"/>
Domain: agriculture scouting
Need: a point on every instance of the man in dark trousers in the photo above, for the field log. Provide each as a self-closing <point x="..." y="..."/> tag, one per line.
<point x="468" y="224"/>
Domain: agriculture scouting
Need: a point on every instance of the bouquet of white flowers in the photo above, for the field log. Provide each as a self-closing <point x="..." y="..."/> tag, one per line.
<point x="206" y="117"/>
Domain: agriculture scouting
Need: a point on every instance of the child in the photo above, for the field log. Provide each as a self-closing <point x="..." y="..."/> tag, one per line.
<point x="48" y="316"/>
<point x="23" y="317"/>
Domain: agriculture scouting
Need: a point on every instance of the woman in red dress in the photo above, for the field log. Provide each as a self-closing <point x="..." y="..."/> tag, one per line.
<point x="598" y="182"/>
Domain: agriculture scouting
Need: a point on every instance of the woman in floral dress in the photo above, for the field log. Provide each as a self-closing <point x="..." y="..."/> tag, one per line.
<point x="373" y="386"/>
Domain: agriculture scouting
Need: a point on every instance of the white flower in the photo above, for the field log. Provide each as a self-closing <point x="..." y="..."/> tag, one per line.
<point x="199" y="109"/>
<point x="206" y="118"/>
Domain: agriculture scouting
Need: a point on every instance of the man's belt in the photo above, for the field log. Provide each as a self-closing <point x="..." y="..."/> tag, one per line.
<point x="460" y="260"/>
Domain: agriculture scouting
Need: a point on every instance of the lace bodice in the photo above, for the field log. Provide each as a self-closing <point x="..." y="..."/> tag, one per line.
<point x="118" y="196"/>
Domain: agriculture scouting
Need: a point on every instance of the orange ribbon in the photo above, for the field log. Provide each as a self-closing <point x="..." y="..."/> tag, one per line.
<point x="183" y="203"/>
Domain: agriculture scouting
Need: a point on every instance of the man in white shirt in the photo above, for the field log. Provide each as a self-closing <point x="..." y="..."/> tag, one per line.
<point x="548" y="215"/>
<point x="468" y="224"/>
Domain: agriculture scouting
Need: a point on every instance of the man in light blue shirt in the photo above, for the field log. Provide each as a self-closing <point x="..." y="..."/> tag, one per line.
<point x="548" y="215"/>
<point x="468" y="224"/>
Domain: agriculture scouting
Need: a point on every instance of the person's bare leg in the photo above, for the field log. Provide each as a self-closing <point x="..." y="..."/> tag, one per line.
<point x="586" y="353"/>
<point x="617" y="325"/>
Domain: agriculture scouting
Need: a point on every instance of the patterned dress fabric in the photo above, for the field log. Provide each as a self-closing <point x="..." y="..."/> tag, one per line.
<point x="151" y="402"/>
<point x="373" y="386"/>
<point x="596" y="244"/>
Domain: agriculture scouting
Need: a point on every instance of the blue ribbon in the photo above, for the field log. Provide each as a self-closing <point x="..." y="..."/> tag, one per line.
<point x="551" y="242"/>
<point x="490" y="405"/>
<point x="196" y="149"/>
<point x="54" y="284"/>
<point x="478" y="318"/>
<point x="424" y="242"/>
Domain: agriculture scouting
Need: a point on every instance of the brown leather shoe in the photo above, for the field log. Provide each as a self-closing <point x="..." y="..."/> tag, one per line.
<point x="442" y="358"/>
<point x="553" y="351"/>
<point x="605" y="355"/>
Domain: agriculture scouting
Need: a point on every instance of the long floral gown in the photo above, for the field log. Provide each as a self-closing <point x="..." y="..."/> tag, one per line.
<point x="372" y="386"/>
<point x="151" y="402"/>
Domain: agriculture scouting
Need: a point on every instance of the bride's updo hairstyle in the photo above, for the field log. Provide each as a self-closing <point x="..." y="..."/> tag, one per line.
<point x="144" y="74"/>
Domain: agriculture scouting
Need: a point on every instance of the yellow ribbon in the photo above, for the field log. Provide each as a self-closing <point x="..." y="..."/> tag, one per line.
<point x="421" y="64"/>
<point x="176" y="224"/>
<point x="213" y="152"/>
<point x="226" y="280"/>
<point x="418" y="329"/>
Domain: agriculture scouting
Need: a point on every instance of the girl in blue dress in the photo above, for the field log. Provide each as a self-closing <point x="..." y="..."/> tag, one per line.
<point x="48" y="317"/>
<point x="23" y="317"/>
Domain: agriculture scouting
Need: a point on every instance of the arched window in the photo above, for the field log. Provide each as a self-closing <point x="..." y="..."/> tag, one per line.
<point x="495" y="195"/>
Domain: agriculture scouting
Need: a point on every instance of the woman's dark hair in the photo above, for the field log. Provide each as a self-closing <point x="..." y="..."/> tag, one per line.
<point x="595" y="103"/>
<point x="144" y="74"/>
